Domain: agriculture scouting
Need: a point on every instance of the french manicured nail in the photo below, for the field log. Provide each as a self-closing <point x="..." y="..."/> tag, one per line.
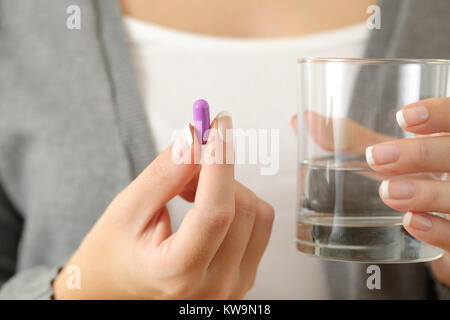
<point x="182" y="145"/>
<point x="225" y="126"/>
<point x="382" y="153"/>
<point x="219" y="149"/>
<point x="417" y="221"/>
<point x="412" y="116"/>
<point x="397" y="189"/>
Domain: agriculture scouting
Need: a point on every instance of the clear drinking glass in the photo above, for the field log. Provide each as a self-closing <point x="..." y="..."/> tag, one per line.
<point x="346" y="105"/>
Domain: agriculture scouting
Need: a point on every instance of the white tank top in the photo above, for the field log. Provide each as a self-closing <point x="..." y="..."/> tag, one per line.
<point x="256" y="81"/>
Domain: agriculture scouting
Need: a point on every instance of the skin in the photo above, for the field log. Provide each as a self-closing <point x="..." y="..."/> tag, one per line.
<point x="131" y="252"/>
<point x="429" y="153"/>
<point x="250" y="18"/>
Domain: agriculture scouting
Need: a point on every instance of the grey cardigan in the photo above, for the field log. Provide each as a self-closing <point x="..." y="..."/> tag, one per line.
<point x="73" y="134"/>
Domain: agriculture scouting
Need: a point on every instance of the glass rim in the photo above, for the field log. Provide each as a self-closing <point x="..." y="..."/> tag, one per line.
<point x="374" y="60"/>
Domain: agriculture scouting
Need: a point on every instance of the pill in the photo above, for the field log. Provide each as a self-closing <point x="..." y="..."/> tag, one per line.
<point x="201" y="120"/>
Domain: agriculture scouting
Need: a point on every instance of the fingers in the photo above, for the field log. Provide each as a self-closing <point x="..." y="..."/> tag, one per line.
<point x="163" y="179"/>
<point x="189" y="191"/>
<point x="206" y="224"/>
<point x="424" y="154"/>
<point x="216" y="181"/>
<point x="158" y="229"/>
<point x="429" y="228"/>
<point x="239" y="255"/>
<point x="338" y="134"/>
<point x="416" y="195"/>
<point x="426" y="116"/>
<point x="258" y="241"/>
<point x="440" y="268"/>
<point x="418" y="155"/>
<point x="230" y="253"/>
<point x="294" y="123"/>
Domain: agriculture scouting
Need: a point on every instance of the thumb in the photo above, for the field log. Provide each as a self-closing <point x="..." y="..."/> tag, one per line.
<point x="161" y="180"/>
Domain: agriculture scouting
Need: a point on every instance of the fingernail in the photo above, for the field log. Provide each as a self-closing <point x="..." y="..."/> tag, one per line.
<point x="225" y="126"/>
<point x="412" y="116"/>
<point x="383" y="153"/>
<point x="397" y="189"/>
<point x="187" y="134"/>
<point x="417" y="221"/>
<point x="216" y="151"/>
<point x="182" y="145"/>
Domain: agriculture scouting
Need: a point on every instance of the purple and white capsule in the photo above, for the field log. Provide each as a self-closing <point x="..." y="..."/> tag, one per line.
<point x="201" y="120"/>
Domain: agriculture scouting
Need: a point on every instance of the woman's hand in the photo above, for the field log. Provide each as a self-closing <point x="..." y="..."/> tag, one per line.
<point x="132" y="253"/>
<point x="416" y="196"/>
<point x="428" y="154"/>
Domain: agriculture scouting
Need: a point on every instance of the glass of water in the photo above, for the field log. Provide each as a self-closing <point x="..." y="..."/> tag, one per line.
<point x="346" y="105"/>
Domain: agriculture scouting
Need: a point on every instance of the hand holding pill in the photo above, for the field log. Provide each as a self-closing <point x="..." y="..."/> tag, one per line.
<point x="213" y="255"/>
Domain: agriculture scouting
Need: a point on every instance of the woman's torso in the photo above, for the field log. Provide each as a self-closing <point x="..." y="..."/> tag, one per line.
<point x="256" y="81"/>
